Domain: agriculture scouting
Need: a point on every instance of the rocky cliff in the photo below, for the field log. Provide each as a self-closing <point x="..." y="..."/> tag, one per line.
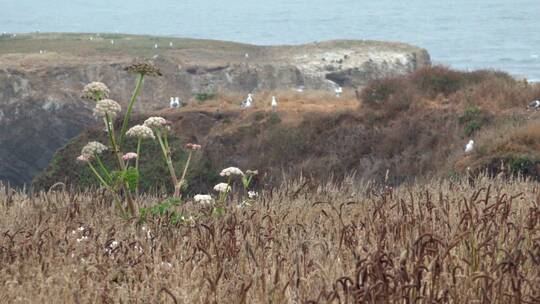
<point x="41" y="77"/>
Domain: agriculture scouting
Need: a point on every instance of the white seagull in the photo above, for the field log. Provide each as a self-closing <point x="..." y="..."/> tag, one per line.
<point x="155" y="46"/>
<point x="246" y="55"/>
<point x="535" y="104"/>
<point x="274" y="104"/>
<point x="170" y="44"/>
<point x="112" y="41"/>
<point x="174" y="103"/>
<point x="338" y="91"/>
<point x="247" y="103"/>
<point x="469" y="147"/>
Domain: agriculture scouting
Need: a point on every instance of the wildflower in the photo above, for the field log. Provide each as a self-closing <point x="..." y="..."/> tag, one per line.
<point x="93" y="148"/>
<point x="166" y="264"/>
<point x="107" y="106"/>
<point x="222" y="187"/>
<point x="141" y="132"/>
<point x="129" y="155"/>
<point x="193" y="147"/>
<point x="252" y="172"/>
<point x="83" y="238"/>
<point x="231" y="171"/>
<point x="83" y="158"/>
<point x="252" y="194"/>
<point x="95" y="91"/>
<point x="143" y="68"/>
<point x="155" y="122"/>
<point x="203" y="199"/>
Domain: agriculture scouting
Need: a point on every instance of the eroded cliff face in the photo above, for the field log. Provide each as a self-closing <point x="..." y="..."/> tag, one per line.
<point x="41" y="108"/>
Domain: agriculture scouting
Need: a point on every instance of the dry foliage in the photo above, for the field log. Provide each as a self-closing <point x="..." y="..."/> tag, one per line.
<point x="440" y="242"/>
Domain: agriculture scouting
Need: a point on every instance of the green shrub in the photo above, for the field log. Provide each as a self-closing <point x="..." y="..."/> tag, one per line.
<point x="202" y="97"/>
<point x="473" y="120"/>
<point x="274" y="119"/>
<point x="521" y="165"/>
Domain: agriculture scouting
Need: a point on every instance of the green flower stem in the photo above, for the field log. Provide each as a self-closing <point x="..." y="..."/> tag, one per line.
<point x="108" y="187"/>
<point x="104" y="169"/>
<point x="136" y="93"/>
<point x="101" y="180"/>
<point x="182" y="179"/>
<point x="137" y="166"/>
<point x="112" y="139"/>
<point x="167" y="155"/>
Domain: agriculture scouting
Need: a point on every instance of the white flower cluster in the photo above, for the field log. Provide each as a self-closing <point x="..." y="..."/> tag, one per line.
<point x="93" y="148"/>
<point x="107" y="106"/>
<point x="231" y="171"/>
<point x="222" y="187"/>
<point x="140" y="131"/>
<point x="155" y="122"/>
<point x="204" y="199"/>
<point x="95" y="91"/>
<point x="252" y="194"/>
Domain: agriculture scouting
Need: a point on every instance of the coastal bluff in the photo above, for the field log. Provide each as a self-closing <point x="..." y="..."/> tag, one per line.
<point x="42" y="75"/>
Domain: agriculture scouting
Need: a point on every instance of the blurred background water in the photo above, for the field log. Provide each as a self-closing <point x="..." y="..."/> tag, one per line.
<point x="465" y="34"/>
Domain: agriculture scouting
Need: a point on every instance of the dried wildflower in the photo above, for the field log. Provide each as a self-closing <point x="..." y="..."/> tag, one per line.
<point x="143" y="68"/>
<point x="93" y="148"/>
<point x="222" y="187"/>
<point x="252" y="194"/>
<point x="83" y="158"/>
<point x="204" y="199"/>
<point x="107" y="106"/>
<point x="231" y="171"/>
<point x="193" y="147"/>
<point x="155" y="122"/>
<point x="129" y="155"/>
<point x="252" y="172"/>
<point x="140" y="131"/>
<point x="95" y="91"/>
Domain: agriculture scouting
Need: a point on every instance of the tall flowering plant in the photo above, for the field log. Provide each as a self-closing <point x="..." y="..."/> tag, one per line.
<point x="122" y="182"/>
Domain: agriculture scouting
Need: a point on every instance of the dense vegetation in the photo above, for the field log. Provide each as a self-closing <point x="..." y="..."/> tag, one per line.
<point x="445" y="241"/>
<point x="411" y="126"/>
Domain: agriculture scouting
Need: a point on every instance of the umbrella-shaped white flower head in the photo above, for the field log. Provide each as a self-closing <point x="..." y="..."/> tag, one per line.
<point x="140" y="131"/>
<point x="204" y="199"/>
<point x="222" y="187"/>
<point x="107" y="106"/>
<point x="231" y="171"/>
<point x="156" y="123"/>
<point x="95" y="91"/>
<point x="92" y="148"/>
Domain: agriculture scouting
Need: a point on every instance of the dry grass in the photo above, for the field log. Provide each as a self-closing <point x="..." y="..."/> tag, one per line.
<point x="440" y="242"/>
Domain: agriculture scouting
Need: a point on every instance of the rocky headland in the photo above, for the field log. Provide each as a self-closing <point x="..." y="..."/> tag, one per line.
<point x="41" y="76"/>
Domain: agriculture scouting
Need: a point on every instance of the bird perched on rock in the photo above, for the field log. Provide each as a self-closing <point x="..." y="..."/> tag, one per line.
<point x="174" y="103"/>
<point x="338" y="91"/>
<point x="248" y="102"/>
<point x="469" y="147"/>
<point x="274" y="104"/>
<point x="535" y="104"/>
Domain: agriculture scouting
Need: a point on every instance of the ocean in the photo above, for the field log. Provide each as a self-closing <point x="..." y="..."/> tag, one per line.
<point x="464" y="34"/>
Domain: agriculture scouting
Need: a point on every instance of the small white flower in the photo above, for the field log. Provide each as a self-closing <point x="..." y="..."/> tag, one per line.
<point x="81" y="228"/>
<point x="166" y="264"/>
<point x="222" y="187"/>
<point x="140" y="131"/>
<point x="84" y="238"/>
<point x="107" y="106"/>
<point x="93" y="148"/>
<point x="252" y="194"/>
<point x="155" y="122"/>
<point x="95" y="91"/>
<point x="204" y="199"/>
<point x="231" y="171"/>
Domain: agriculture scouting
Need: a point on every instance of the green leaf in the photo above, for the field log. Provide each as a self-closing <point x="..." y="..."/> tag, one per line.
<point x="131" y="176"/>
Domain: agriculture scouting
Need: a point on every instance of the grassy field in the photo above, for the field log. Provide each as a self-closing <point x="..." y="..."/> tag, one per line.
<point x="461" y="241"/>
